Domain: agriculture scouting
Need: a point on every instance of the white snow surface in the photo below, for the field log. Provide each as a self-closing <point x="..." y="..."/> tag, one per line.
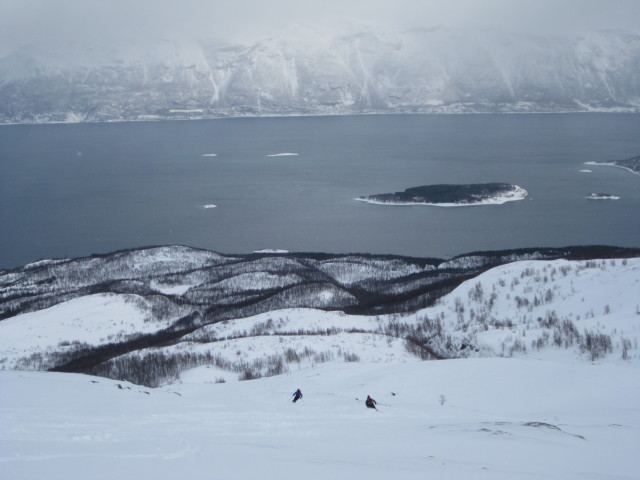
<point x="500" y="419"/>
<point x="168" y="289"/>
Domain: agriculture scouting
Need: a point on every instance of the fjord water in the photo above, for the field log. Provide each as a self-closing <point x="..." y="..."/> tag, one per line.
<point x="74" y="190"/>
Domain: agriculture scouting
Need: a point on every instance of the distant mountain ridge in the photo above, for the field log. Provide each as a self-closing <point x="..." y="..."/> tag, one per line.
<point x="436" y="70"/>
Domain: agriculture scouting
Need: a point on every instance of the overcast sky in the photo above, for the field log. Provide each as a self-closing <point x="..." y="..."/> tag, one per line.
<point x="55" y="22"/>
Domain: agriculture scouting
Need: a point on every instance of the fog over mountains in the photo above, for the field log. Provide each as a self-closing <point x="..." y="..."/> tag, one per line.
<point x="437" y="70"/>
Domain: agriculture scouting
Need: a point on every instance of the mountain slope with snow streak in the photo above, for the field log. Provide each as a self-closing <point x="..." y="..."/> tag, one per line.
<point x="437" y="70"/>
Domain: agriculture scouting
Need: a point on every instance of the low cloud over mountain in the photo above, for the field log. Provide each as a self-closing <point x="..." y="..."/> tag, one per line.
<point x="439" y="70"/>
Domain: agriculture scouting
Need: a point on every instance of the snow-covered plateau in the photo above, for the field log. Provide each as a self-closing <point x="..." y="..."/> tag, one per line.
<point x="436" y="70"/>
<point x="537" y="372"/>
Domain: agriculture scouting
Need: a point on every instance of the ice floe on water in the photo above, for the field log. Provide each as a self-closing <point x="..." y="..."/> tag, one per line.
<point x="286" y="154"/>
<point x="209" y="154"/>
<point x="271" y="250"/>
<point x="210" y="205"/>
<point x="602" y="196"/>
<point x="586" y="171"/>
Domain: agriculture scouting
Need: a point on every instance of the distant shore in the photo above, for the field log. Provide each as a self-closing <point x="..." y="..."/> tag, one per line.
<point x="617" y="165"/>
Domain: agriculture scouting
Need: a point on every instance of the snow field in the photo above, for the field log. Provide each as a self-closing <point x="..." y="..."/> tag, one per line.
<point x="501" y="419"/>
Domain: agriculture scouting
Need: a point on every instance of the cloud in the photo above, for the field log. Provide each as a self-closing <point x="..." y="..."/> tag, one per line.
<point x="56" y="22"/>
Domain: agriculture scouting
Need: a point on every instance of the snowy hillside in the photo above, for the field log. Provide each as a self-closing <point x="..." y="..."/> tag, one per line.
<point x="539" y="377"/>
<point x="153" y="315"/>
<point x="438" y="70"/>
<point x="456" y="419"/>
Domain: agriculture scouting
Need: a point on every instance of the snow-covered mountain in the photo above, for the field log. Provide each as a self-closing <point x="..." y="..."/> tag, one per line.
<point x="428" y="70"/>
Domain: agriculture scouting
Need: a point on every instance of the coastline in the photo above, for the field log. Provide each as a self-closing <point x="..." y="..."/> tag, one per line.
<point x="610" y="164"/>
<point x="223" y="116"/>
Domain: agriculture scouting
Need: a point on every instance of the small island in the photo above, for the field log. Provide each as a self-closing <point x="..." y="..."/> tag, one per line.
<point x="630" y="164"/>
<point x="451" y="195"/>
<point x="602" y="196"/>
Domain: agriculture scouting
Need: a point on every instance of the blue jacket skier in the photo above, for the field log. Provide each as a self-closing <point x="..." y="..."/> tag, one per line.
<point x="297" y="395"/>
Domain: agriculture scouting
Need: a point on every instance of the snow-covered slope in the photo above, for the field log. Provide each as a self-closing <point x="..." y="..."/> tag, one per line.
<point x="424" y="70"/>
<point x="579" y="310"/>
<point x="542" y="378"/>
<point x="455" y="419"/>
<point x="528" y="306"/>
<point x="90" y="320"/>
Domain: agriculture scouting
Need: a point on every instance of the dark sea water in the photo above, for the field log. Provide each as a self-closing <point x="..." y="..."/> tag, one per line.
<point x="74" y="190"/>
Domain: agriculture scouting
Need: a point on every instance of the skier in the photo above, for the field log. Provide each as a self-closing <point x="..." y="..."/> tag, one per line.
<point x="370" y="403"/>
<point x="297" y="395"/>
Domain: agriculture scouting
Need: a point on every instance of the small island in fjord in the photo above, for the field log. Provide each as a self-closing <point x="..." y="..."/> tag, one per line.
<point x="451" y="195"/>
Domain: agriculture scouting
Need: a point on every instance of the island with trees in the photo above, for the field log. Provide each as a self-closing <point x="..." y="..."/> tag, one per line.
<point x="451" y="195"/>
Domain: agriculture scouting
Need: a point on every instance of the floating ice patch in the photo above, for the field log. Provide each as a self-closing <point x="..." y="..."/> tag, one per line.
<point x="586" y="171"/>
<point x="209" y="154"/>
<point x="283" y="155"/>
<point x="602" y="196"/>
<point x="210" y="205"/>
<point x="271" y="250"/>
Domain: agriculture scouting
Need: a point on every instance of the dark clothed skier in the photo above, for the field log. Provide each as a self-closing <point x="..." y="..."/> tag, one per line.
<point x="370" y="403"/>
<point x="297" y="395"/>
